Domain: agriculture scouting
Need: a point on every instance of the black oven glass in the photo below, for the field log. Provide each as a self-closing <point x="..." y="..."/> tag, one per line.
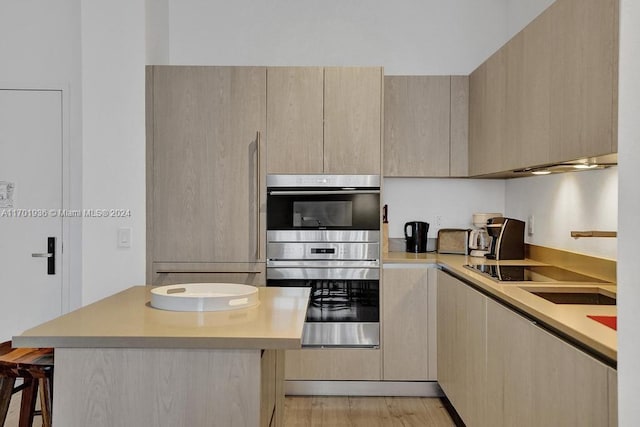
<point x="323" y="211"/>
<point x="339" y="300"/>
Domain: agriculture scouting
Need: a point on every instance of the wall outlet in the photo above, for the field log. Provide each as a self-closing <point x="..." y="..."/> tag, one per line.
<point x="438" y="221"/>
<point x="530" y="224"/>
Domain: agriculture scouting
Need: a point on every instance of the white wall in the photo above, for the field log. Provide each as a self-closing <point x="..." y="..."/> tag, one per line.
<point x="157" y="31"/>
<point x="586" y="200"/>
<point x="453" y="200"/>
<point x="629" y="207"/>
<point x="40" y="48"/>
<point x="404" y="36"/>
<point x="113" y="102"/>
<point x="521" y="12"/>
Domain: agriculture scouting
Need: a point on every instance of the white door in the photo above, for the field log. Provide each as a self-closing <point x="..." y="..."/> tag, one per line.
<point x="30" y="197"/>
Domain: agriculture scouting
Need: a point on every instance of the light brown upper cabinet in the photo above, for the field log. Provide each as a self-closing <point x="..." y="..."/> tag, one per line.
<point x="425" y="126"/>
<point x="295" y="119"/>
<point x="205" y="165"/>
<point x="550" y="94"/>
<point x="324" y="120"/>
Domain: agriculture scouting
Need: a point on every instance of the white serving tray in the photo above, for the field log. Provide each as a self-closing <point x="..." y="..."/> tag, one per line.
<point x="204" y="297"/>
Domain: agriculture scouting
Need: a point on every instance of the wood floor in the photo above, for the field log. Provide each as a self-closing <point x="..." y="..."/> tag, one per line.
<point x="338" y="412"/>
<point x="365" y="411"/>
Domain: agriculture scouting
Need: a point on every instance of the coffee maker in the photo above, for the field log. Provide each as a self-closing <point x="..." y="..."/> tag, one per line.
<point x="507" y="236"/>
<point x="479" y="239"/>
<point x="417" y="236"/>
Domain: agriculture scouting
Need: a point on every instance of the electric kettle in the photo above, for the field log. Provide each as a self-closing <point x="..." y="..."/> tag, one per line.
<point x="415" y="233"/>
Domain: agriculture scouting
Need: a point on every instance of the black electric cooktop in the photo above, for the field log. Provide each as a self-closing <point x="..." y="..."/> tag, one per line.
<point x="531" y="273"/>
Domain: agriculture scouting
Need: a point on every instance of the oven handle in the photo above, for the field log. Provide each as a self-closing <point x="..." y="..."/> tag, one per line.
<point x="323" y="273"/>
<point x="319" y="193"/>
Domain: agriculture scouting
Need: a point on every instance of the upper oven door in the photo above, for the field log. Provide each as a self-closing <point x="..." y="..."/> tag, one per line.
<point x="318" y="202"/>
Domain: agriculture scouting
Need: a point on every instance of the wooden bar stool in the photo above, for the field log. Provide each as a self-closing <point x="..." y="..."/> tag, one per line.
<point x="35" y="367"/>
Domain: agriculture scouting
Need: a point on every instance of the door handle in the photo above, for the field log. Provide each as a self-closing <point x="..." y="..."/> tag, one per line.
<point x="50" y="255"/>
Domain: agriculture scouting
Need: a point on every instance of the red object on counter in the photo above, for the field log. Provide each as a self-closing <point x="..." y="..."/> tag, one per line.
<point x="610" y="321"/>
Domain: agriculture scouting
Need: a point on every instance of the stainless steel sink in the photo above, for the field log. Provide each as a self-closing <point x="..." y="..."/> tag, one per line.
<point x="586" y="296"/>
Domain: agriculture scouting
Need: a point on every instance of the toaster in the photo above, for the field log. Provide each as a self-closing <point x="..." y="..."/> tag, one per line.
<point x="453" y="241"/>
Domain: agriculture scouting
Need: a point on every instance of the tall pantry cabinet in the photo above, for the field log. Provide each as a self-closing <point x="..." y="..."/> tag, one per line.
<point x="205" y="174"/>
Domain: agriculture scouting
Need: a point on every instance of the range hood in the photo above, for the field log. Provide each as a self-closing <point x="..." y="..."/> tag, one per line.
<point x="586" y="163"/>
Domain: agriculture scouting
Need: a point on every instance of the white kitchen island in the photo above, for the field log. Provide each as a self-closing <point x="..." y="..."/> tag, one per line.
<point x="120" y="362"/>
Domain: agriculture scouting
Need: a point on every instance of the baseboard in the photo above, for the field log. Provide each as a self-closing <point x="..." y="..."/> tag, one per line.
<point x="363" y="388"/>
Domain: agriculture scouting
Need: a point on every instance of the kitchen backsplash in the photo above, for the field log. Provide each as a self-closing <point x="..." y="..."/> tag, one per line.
<point x="586" y="200"/>
<point x="443" y="203"/>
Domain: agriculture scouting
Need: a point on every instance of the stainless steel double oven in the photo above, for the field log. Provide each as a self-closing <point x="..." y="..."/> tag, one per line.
<point x="323" y="232"/>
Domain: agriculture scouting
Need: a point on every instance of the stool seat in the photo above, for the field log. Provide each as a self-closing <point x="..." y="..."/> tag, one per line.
<point x="35" y="367"/>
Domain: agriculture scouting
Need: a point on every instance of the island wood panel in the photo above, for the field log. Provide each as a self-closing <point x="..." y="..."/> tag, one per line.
<point x="584" y="78"/>
<point x="509" y="368"/>
<point x="612" y="376"/>
<point x="156" y="387"/>
<point x="417" y="113"/>
<point x="352" y="120"/>
<point x="295" y="120"/>
<point x="462" y="358"/>
<point x="571" y="388"/>
<point x="207" y="184"/>
<point x="405" y="324"/>
<point x="459" y="132"/>
<point x="174" y="273"/>
<point x="333" y="364"/>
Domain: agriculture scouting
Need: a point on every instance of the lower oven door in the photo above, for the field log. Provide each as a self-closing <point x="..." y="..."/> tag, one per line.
<point x="344" y="306"/>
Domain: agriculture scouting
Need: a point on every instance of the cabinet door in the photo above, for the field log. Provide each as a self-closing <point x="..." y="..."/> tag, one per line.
<point x="416" y="126"/>
<point x="584" y="55"/>
<point x="510" y="372"/>
<point x="352" y="120"/>
<point x="405" y="324"/>
<point x="207" y="180"/>
<point x="295" y="119"/>
<point x="613" y="397"/>
<point x="570" y="386"/>
<point x="459" y="138"/>
<point x="487" y="112"/>
<point x="462" y="358"/>
<point x="329" y="364"/>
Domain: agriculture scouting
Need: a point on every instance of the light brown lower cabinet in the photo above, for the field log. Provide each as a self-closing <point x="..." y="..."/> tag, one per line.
<point x="498" y="368"/>
<point x="408" y="323"/>
<point x="343" y="364"/>
<point x="462" y="357"/>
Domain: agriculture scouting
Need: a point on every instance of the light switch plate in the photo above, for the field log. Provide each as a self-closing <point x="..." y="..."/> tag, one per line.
<point x="530" y="224"/>
<point x="124" y="237"/>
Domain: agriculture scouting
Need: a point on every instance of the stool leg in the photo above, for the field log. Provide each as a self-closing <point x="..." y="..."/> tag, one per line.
<point x="46" y="394"/>
<point x="28" y="403"/>
<point x="6" y="390"/>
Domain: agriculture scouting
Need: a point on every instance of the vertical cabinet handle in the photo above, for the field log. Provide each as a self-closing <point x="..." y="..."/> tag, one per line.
<point x="258" y="170"/>
<point x="50" y="255"/>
